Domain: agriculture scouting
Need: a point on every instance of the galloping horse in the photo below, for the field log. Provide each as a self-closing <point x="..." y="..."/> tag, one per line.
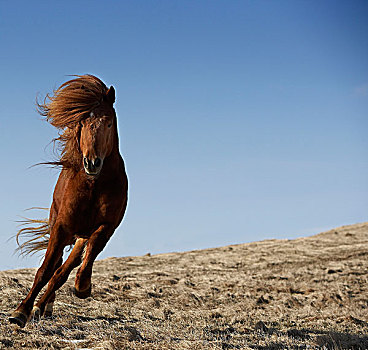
<point x="90" y="196"/>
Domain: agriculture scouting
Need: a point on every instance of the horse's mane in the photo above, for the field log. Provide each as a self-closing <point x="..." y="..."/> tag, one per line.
<point x="72" y="102"/>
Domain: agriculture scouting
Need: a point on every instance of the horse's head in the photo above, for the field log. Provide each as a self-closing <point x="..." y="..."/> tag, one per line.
<point x="97" y="134"/>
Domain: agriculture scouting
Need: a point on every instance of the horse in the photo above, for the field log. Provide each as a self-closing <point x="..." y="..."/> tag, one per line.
<point x="89" y="198"/>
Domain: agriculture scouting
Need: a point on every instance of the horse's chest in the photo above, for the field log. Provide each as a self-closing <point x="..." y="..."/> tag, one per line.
<point x="86" y="210"/>
<point x="82" y="206"/>
<point x="91" y="206"/>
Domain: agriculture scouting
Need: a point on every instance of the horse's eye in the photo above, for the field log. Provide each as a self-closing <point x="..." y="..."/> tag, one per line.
<point x="109" y="125"/>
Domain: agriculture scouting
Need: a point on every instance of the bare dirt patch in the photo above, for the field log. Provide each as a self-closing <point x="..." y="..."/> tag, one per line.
<point x="308" y="293"/>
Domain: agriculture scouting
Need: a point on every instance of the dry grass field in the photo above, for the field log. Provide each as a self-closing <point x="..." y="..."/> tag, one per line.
<point x="308" y="293"/>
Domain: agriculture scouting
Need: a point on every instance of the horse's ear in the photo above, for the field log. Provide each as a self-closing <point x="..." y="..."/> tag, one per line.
<point x="110" y="95"/>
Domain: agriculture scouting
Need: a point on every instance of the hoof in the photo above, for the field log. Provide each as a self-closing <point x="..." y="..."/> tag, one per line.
<point x="84" y="293"/>
<point x="36" y="313"/>
<point x="18" y="318"/>
<point x="48" y="310"/>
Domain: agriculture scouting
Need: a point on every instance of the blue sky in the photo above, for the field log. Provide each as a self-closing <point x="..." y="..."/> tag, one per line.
<point x="238" y="120"/>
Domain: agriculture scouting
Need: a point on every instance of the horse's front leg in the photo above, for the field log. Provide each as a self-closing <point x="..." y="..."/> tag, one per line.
<point x="60" y="276"/>
<point x="50" y="302"/>
<point x="53" y="254"/>
<point x="95" y="245"/>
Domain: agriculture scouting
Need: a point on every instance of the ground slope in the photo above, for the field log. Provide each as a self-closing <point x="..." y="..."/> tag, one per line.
<point x="308" y="293"/>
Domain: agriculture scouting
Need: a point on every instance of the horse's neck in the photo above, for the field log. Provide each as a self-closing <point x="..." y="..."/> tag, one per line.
<point x="112" y="163"/>
<point x="113" y="160"/>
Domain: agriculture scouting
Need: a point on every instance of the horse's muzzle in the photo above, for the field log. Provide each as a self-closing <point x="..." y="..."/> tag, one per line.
<point x="92" y="167"/>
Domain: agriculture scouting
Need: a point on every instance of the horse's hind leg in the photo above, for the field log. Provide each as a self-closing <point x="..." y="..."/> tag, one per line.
<point x="50" y="302"/>
<point x="54" y="252"/>
<point x="60" y="276"/>
<point x="95" y="244"/>
<point x="52" y="220"/>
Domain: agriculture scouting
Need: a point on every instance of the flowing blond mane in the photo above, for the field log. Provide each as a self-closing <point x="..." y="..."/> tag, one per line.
<point x="72" y="102"/>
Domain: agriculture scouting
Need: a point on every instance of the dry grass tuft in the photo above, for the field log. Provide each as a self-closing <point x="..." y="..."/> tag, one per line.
<point x="309" y="293"/>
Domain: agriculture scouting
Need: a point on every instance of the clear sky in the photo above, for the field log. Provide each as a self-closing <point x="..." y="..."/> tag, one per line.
<point x="238" y="120"/>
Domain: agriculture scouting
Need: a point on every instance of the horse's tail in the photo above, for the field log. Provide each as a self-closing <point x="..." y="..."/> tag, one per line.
<point x="36" y="234"/>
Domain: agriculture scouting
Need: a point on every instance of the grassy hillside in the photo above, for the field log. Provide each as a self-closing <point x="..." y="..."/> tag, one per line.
<point x="307" y="293"/>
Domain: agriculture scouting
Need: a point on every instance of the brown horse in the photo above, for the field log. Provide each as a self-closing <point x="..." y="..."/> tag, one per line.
<point x="90" y="196"/>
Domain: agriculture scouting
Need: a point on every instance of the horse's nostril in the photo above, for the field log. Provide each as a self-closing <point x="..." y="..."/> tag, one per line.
<point x="85" y="162"/>
<point x="97" y="162"/>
